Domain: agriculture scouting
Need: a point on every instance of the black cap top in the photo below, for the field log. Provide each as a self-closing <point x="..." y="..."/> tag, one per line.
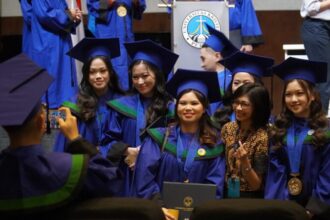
<point x="22" y="85"/>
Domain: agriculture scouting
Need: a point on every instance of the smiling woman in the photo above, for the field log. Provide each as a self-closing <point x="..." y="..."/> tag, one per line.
<point x="99" y="84"/>
<point x="246" y="141"/>
<point x="189" y="150"/>
<point x="146" y="106"/>
<point x="300" y="134"/>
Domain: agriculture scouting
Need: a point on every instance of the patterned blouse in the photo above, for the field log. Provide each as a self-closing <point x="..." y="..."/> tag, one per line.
<point x="256" y="144"/>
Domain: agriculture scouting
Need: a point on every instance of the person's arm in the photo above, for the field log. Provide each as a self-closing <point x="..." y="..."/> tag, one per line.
<point x="138" y="7"/>
<point x="313" y="7"/>
<point x="26" y="9"/>
<point x="53" y="18"/>
<point x="247" y="170"/>
<point x="216" y="174"/>
<point x="319" y="202"/>
<point x="276" y="179"/>
<point x="146" y="170"/>
<point x="250" y="28"/>
<point x="100" y="8"/>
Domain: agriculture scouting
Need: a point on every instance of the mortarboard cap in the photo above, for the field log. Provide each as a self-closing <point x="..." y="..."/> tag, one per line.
<point x="219" y="42"/>
<point x="92" y="47"/>
<point x="294" y="68"/>
<point x="243" y="62"/>
<point x="154" y="53"/>
<point x="202" y="81"/>
<point x="22" y="85"/>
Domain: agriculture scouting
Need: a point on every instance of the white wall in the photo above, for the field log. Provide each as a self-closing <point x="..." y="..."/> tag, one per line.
<point x="12" y="8"/>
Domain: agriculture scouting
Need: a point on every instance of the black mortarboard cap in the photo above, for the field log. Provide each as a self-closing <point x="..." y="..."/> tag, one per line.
<point x="22" y="85"/>
<point x="203" y="81"/>
<point x="92" y="47"/>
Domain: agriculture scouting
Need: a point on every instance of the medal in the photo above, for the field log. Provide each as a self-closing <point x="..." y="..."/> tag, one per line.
<point x="294" y="186"/>
<point x="121" y="11"/>
<point x="201" y="152"/>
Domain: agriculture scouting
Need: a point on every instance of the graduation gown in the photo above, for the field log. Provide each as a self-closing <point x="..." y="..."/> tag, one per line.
<point x="27" y="41"/>
<point x="314" y="173"/>
<point x="155" y="166"/>
<point x="121" y="127"/>
<point x="108" y="24"/>
<point x="91" y="130"/>
<point x="224" y="79"/>
<point x="243" y="17"/>
<point x="51" y="29"/>
<point x="38" y="181"/>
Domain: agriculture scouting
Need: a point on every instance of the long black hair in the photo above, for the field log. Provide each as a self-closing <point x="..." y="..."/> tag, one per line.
<point x="87" y="99"/>
<point x="316" y="120"/>
<point x="160" y="98"/>
<point x="259" y="97"/>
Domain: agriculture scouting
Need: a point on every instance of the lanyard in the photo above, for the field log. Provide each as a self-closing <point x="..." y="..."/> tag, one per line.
<point x="232" y="116"/>
<point x="295" y="147"/>
<point x="192" y="149"/>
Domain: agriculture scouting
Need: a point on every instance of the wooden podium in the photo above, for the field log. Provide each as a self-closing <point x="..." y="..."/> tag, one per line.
<point x="189" y="31"/>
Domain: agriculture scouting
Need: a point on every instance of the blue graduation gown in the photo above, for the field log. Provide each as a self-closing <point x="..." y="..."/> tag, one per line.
<point x="27" y="41"/>
<point x="155" y="166"/>
<point x="91" y="130"/>
<point x="121" y="127"/>
<point x="243" y="17"/>
<point x="314" y="173"/>
<point x="224" y="79"/>
<point x="109" y="24"/>
<point x="51" y="29"/>
<point x="35" y="179"/>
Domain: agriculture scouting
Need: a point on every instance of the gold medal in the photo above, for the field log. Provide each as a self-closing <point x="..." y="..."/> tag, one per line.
<point x="121" y="11"/>
<point x="294" y="186"/>
<point x="201" y="152"/>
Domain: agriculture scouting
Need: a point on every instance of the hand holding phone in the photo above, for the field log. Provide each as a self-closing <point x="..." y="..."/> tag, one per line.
<point x="53" y="118"/>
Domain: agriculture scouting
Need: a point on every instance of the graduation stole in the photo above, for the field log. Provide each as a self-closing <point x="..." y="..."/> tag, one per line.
<point x="59" y="196"/>
<point x="170" y="145"/>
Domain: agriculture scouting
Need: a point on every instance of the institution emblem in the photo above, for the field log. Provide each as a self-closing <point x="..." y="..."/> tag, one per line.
<point x="194" y="29"/>
<point x="201" y="152"/>
<point x="188" y="201"/>
<point x="121" y="11"/>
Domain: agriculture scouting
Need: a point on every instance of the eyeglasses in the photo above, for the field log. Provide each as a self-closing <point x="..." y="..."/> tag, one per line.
<point x="244" y="105"/>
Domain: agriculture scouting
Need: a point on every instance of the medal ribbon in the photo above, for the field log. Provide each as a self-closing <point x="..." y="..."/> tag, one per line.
<point x="192" y="149"/>
<point x="295" y="148"/>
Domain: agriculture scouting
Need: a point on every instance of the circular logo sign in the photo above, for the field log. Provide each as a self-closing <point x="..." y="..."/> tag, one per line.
<point x="194" y="29"/>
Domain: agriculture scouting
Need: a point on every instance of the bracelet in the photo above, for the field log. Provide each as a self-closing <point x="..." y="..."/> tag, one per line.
<point x="247" y="170"/>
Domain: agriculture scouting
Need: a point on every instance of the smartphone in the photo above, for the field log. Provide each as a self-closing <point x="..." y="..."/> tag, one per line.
<point x="53" y="115"/>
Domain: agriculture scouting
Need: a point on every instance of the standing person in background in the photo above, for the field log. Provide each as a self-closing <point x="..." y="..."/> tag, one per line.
<point x="315" y="33"/>
<point x="246" y="142"/>
<point x="245" y="31"/>
<point x="78" y="36"/>
<point x="114" y="18"/>
<point x="27" y="41"/>
<point x="299" y="159"/>
<point x="98" y="86"/>
<point x="52" y="23"/>
<point x="216" y="48"/>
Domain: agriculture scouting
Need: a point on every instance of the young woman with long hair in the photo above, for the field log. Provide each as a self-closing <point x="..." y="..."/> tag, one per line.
<point x="147" y="106"/>
<point x="300" y="153"/>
